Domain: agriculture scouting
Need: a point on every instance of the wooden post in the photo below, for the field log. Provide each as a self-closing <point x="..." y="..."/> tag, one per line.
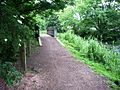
<point x="39" y="40"/>
<point x="29" y="47"/>
<point x="23" y="56"/>
<point x="55" y="32"/>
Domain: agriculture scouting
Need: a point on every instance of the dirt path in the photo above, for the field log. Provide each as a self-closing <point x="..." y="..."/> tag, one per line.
<point x="53" y="68"/>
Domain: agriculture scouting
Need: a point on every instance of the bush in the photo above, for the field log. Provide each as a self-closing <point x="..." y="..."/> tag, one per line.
<point x="9" y="73"/>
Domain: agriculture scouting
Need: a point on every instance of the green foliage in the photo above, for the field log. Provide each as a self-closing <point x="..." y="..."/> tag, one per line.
<point x="12" y="33"/>
<point x="53" y="21"/>
<point x="9" y="73"/>
<point x="105" y="21"/>
<point x="17" y="23"/>
<point x="66" y="18"/>
<point x="93" y="18"/>
<point x="40" y="21"/>
<point x="17" y="26"/>
<point x="95" y="51"/>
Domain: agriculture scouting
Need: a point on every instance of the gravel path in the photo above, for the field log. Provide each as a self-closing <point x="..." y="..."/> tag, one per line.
<point x="53" y="68"/>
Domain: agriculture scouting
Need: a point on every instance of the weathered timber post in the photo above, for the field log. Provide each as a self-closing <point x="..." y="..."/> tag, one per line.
<point x="23" y="56"/>
<point x="55" y="32"/>
<point x="29" y="47"/>
<point x="39" y="40"/>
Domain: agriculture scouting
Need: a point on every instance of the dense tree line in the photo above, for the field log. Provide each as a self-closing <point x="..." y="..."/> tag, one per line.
<point x="96" y="18"/>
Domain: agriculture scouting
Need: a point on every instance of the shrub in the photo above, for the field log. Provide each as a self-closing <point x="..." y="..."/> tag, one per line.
<point x="9" y="73"/>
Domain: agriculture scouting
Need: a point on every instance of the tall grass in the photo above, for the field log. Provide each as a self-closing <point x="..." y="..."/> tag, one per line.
<point x="94" y="51"/>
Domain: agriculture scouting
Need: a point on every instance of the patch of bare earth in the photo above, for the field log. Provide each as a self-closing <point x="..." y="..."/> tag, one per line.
<point x="53" y="68"/>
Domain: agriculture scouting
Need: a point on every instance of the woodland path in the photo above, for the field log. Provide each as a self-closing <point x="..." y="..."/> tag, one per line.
<point x="52" y="67"/>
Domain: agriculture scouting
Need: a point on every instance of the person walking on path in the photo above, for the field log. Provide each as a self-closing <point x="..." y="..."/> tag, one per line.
<point x="37" y="34"/>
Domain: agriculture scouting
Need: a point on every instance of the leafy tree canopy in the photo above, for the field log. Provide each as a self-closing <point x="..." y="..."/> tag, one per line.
<point x="17" y="21"/>
<point x="97" y="18"/>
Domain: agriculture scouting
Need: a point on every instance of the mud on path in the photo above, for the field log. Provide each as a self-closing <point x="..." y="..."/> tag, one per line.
<point x="53" y="68"/>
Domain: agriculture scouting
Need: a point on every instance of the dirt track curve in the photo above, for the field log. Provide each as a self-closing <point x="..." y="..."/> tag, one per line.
<point x="52" y="67"/>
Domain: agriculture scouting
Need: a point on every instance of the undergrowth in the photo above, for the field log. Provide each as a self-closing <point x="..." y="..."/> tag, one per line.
<point x="9" y="73"/>
<point x="94" y="53"/>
